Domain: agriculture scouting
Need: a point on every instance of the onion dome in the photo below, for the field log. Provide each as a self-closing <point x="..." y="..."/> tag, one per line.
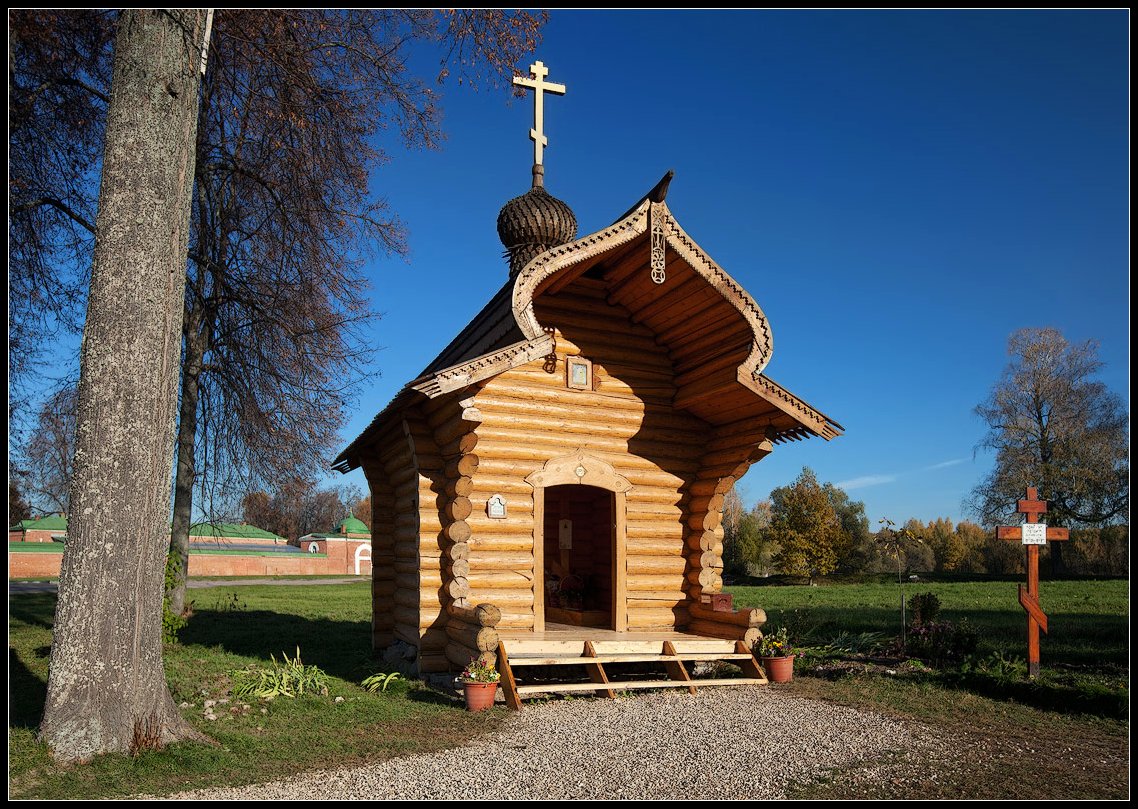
<point x="533" y="223"/>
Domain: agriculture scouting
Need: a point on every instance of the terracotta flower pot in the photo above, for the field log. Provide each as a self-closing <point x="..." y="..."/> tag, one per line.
<point x="779" y="669"/>
<point x="479" y="696"/>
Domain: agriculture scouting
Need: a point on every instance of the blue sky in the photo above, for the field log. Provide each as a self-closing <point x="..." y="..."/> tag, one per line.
<point x="899" y="192"/>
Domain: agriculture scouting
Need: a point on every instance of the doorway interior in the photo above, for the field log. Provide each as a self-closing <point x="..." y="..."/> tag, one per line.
<point x="579" y="540"/>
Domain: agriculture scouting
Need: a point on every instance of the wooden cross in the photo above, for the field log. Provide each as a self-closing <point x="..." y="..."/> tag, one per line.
<point x="1032" y="534"/>
<point x="540" y="87"/>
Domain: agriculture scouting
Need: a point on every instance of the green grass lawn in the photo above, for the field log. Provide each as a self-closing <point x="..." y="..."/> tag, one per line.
<point x="1070" y="725"/>
<point x="234" y="626"/>
<point x="1088" y="620"/>
<point x="1083" y="742"/>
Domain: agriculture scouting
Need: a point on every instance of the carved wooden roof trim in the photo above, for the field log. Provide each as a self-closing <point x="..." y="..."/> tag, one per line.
<point x="677" y="238"/>
<point x="551" y="262"/>
<point x="809" y="417"/>
<point x="485" y="366"/>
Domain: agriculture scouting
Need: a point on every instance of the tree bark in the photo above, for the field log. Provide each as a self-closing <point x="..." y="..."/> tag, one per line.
<point x="107" y="688"/>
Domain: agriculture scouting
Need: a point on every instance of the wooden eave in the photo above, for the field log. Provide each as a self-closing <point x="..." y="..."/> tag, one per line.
<point x="718" y="338"/>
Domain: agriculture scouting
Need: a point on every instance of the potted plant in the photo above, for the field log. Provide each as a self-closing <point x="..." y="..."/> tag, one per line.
<point x="777" y="656"/>
<point x="479" y="684"/>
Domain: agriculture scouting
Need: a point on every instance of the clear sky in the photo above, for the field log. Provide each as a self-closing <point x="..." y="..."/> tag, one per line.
<point x="899" y="192"/>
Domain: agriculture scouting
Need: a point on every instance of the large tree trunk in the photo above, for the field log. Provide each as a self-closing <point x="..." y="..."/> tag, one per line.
<point x="184" y="472"/>
<point x="107" y="689"/>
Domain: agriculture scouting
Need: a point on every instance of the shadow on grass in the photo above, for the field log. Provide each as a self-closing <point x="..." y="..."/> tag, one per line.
<point x="27" y="693"/>
<point x="33" y="609"/>
<point x="1090" y="640"/>
<point x="340" y="648"/>
<point x="431" y="697"/>
<point x="1048" y="696"/>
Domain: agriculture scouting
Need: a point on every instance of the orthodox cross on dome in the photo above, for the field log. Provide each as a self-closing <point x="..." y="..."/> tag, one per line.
<point x="540" y="87"/>
<point x="1032" y="534"/>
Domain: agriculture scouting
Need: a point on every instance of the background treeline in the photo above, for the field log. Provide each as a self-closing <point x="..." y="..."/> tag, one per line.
<point x="810" y="529"/>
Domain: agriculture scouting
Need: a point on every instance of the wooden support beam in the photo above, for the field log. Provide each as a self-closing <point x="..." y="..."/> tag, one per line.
<point x="509" y="686"/>
<point x="676" y="668"/>
<point x="597" y="672"/>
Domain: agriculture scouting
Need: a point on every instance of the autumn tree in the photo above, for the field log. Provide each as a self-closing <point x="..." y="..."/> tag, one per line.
<point x="361" y="510"/>
<point x="854" y="547"/>
<point x="1055" y="427"/>
<point x="1099" y="551"/>
<point x="284" y="215"/>
<point x="973" y="538"/>
<point x="807" y="528"/>
<point x="106" y="689"/>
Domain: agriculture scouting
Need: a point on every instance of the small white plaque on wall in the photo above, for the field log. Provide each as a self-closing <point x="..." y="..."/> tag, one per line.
<point x="496" y="507"/>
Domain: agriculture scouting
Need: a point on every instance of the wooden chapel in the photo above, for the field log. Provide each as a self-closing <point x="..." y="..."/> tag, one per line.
<point x="563" y="462"/>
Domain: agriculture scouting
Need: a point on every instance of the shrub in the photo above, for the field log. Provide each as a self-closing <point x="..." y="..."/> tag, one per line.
<point x="171" y="622"/>
<point x="941" y="642"/>
<point x="923" y="609"/>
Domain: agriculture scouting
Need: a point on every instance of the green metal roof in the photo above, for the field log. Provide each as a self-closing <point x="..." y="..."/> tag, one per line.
<point x="50" y="522"/>
<point x="230" y="530"/>
<point x="350" y="525"/>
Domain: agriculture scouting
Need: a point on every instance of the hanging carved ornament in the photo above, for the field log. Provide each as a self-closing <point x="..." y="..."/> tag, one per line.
<point x="550" y="364"/>
<point x="657" y="261"/>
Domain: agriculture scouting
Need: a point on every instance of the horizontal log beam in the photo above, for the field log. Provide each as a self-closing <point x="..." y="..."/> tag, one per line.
<point x="482" y="638"/>
<point x="656" y="565"/>
<point x="749" y="617"/>
<point x="460" y="655"/>
<point x="481" y="615"/>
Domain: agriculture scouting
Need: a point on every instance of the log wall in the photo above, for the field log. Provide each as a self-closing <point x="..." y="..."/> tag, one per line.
<point x="446" y="574"/>
<point x="390" y="475"/>
<point x="530" y="416"/>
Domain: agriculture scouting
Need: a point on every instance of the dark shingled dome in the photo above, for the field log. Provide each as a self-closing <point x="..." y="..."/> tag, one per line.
<point x="533" y="223"/>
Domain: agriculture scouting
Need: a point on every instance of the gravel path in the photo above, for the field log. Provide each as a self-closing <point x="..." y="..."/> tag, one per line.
<point x="725" y="743"/>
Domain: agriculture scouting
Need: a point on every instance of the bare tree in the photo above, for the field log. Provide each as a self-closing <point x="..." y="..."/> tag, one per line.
<point x="107" y="689"/>
<point x="58" y="75"/>
<point x="1053" y="426"/>
<point x="18" y="508"/>
<point x="298" y="507"/>
<point x="50" y="451"/>
<point x="283" y="215"/>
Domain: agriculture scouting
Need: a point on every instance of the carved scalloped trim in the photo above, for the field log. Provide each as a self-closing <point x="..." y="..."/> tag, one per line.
<point x="553" y="261"/>
<point x="816" y="421"/>
<point x="763" y="345"/>
<point x="579" y="467"/>
<point x="485" y="366"/>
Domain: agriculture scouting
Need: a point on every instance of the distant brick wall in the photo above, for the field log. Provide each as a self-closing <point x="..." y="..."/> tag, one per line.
<point x="33" y="565"/>
<point x="31" y="535"/>
<point x="341" y="560"/>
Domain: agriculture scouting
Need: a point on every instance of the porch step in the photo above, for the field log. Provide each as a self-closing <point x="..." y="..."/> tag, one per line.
<point x="617" y="685"/>
<point x="673" y="655"/>
<point x="554" y="648"/>
<point x="536" y="660"/>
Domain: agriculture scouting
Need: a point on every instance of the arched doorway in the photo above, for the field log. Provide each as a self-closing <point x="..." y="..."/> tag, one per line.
<point x="363" y="555"/>
<point x="578" y="574"/>
<point x="579" y="531"/>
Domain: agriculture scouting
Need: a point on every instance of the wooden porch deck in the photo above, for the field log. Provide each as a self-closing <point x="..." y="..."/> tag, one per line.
<point x="587" y="650"/>
<point x="571" y="632"/>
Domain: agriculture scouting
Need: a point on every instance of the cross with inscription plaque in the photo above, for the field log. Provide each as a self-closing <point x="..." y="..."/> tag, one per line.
<point x="1032" y="534"/>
